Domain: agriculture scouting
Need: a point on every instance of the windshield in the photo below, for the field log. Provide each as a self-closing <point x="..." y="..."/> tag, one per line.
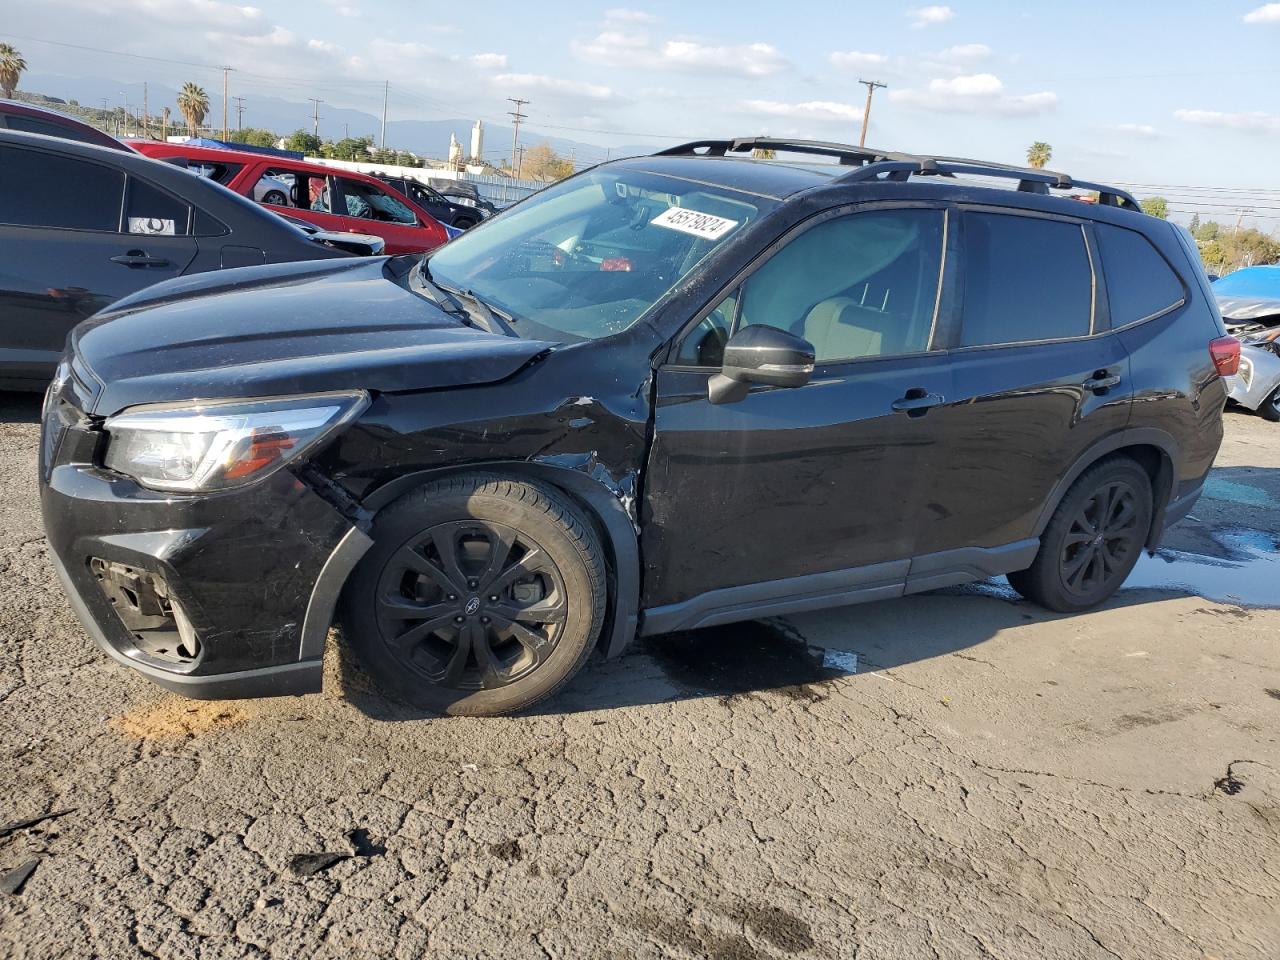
<point x="588" y="256"/>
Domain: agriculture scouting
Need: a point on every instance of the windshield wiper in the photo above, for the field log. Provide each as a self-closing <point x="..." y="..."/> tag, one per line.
<point x="494" y="321"/>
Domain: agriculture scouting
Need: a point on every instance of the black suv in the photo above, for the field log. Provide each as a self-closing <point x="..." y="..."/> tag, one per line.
<point x="668" y="392"/>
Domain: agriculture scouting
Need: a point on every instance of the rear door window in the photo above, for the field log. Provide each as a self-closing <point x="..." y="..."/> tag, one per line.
<point x="1140" y="282"/>
<point x="39" y="189"/>
<point x="153" y="212"/>
<point x="1026" y="279"/>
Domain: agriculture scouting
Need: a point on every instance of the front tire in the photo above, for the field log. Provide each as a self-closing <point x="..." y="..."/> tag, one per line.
<point x="1093" y="540"/>
<point x="481" y="595"/>
<point x="1270" y="407"/>
<point x="275" y="198"/>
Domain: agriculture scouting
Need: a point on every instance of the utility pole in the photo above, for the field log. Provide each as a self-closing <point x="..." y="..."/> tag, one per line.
<point x="866" y="113"/>
<point x="146" y="114"/>
<point x="386" y="86"/>
<point x="226" y="71"/>
<point x="516" y="116"/>
<point x="239" y="112"/>
<point x="315" y="117"/>
<point x="520" y="166"/>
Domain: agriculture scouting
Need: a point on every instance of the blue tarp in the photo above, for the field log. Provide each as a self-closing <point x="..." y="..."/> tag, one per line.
<point x="1260" y="282"/>
<point x="219" y="144"/>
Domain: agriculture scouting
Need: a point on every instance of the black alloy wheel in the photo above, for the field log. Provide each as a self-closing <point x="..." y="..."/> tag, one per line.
<point x="1092" y="541"/>
<point x="1270" y="407"/>
<point x="482" y="594"/>
<point x="471" y="605"/>
<point x="1102" y="539"/>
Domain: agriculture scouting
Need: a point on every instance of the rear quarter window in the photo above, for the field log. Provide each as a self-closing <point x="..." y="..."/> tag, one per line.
<point x="45" y="189"/>
<point x="1025" y="279"/>
<point x="1140" y="282"/>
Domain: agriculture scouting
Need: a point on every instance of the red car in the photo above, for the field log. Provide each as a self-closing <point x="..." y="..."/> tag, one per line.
<point x="28" y="119"/>
<point x="336" y="200"/>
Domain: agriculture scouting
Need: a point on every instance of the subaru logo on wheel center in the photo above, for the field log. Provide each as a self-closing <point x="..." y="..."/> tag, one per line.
<point x="473" y="606"/>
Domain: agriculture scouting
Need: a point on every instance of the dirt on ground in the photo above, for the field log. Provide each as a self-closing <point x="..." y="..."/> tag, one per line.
<point x="958" y="774"/>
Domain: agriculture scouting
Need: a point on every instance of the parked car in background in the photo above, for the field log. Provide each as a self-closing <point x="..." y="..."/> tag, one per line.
<point x="665" y="393"/>
<point x="1249" y="297"/>
<point x="82" y="226"/>
<point x="1257" y="384"/>
<point x="451" y="211"/>
<point x="334" y="200"/>
<point x="25" y="118"/>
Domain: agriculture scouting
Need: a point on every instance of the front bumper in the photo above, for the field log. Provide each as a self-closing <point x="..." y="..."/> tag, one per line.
<point x="1257" y="378"/>
<point x="251" y="576"/>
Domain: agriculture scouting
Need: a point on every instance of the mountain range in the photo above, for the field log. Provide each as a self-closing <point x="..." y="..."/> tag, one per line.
<point x="428" y="138"/>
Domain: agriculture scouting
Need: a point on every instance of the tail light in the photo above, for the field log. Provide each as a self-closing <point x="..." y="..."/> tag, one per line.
<point x="1225" y="352"/>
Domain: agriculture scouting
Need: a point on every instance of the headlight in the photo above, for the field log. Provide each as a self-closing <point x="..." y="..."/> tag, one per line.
<point x="213" y="446"/>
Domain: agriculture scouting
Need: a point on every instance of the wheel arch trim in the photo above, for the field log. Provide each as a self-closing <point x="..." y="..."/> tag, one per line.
<point x="1134" y="437"/>
<point x="601" y="502"/>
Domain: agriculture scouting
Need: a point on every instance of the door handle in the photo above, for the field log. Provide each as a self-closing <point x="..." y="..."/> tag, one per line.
<point x="1102" y="381"/>
<point x="136" y="258"/>
<point x="918" y="402"/>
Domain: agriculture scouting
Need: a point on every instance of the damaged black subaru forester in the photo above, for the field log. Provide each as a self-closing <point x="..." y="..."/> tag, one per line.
<point x="668" y="392"/>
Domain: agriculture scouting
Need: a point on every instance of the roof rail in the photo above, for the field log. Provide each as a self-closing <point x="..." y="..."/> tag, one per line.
<point x="872" y="164"/>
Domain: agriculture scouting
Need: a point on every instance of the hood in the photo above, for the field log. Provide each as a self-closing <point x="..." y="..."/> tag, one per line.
<point x="1239" y="309"/>
<point x="280" y="330"/>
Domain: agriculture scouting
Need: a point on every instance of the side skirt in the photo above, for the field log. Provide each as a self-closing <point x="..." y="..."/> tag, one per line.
<point x="818" y="591"/>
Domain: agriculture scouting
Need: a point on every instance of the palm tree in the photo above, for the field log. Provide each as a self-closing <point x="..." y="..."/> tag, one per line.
<point x="193" y="104"/>
<point x="164" y="124"/>
<point x="1038" y="154"/>
<point x="11" y="67"/>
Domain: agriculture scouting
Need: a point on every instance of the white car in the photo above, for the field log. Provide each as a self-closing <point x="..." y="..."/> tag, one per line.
<point x="1256" y="384"/>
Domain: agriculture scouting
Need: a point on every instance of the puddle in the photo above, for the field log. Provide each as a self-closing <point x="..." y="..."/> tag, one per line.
<point x="1216" y="488"/>
<point x="745" y="657"/>
<point x="1249" y="574"/>
<point x="176" y="717"/>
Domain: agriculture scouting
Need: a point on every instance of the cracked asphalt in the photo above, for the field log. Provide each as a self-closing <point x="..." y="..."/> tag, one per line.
<point x="992" y="781"/>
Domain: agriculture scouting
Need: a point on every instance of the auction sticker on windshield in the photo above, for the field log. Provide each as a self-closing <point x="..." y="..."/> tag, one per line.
<point x="703" y="225"/>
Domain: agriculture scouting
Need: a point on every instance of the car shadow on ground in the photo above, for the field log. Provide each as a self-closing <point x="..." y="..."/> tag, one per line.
<point x="795" y="658"/>
<point x="20" y="407"/>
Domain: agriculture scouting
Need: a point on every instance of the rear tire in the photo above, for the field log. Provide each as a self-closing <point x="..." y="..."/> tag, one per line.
<point x="1093" y="540"/>
<point x="1270" y="407"/>
<point x="480" y="596"/>
<point x="463" y="223"/>
<point x="275" y="198"/>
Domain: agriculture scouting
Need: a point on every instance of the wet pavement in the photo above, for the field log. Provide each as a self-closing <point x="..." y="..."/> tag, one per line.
<point x="958" y="774"/>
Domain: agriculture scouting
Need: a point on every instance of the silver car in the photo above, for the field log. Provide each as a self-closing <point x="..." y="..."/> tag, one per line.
<point x="1257" y="383"/>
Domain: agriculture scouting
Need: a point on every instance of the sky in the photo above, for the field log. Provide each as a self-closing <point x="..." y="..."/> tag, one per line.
<point x="1176" y="97"/>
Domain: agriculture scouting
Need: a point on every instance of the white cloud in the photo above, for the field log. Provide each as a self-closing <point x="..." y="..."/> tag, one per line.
<point x="627" y="15"/>
<point x="489" y="61"/>
<point x="1254" y="122"/>
<point x="558" y="85"/>
<point x="200" y="14"/>
<point x="974" y="93"/>
<point x="922" y="17"/>
<point x="1267" y="13"/>
<point x="753" y="59"/>
<point x="966" y="53"/>
<point x="623" y="48"/>
<point x="1145" y="130"/>
<point x="810" y="110"/>
<point x="857" y="60"/>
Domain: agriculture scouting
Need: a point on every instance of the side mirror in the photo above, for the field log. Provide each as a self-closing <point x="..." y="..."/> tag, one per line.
<point x="761" y="354"/>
